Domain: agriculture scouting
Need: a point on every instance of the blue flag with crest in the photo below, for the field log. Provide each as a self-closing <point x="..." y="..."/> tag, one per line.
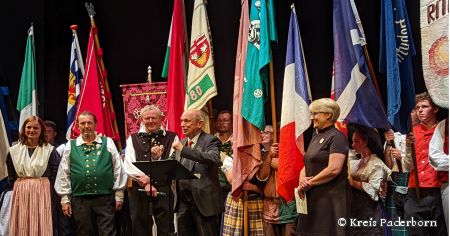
<point x="396" y="52"/>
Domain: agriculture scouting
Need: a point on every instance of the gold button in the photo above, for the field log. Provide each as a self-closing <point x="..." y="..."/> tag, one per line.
<point x="87" y="171"/>
<point x="87" y="166"/>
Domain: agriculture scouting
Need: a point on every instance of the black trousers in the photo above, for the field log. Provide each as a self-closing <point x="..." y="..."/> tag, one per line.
<point x="427" y="208"/>
<point x="62" y="225"/>
<point x="141" y="218"/>
<point x="95" y="209"/>
<point x="192" y="223"/>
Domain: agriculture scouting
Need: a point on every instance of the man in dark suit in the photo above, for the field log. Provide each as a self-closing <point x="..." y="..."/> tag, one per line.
<point x="199" y="200"/>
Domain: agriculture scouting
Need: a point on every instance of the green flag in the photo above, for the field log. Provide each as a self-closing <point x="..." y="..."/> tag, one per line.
<point x="262" y="30"/>
<point x="26" y="101"/>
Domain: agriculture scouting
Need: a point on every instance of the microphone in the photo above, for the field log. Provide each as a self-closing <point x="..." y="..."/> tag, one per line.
<point x="158" y="194"/>
<point x="145" y="135"/>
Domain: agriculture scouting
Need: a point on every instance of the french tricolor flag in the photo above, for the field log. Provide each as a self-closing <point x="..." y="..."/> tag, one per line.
<point x="295" y="117"/>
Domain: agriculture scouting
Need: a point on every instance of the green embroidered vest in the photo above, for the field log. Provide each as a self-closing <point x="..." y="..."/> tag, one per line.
<point x="91" y="169"/>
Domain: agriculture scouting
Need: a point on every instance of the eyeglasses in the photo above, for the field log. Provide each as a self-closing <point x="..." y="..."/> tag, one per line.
<point x="266" y="132"/>
<point x="316" y="113"/>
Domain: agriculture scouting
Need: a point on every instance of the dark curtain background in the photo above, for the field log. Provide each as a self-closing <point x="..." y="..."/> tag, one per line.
<point x="133" y="35"/>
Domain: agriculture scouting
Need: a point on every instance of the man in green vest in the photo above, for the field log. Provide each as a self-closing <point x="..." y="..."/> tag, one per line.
<point x="91" y="180"/>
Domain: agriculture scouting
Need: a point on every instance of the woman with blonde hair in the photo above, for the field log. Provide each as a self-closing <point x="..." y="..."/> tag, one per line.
<point x="323" y="179"/>
<point x="32" y="165"/>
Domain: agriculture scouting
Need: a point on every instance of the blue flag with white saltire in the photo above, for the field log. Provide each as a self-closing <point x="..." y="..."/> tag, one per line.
<point x="76" y="74"/>
<point x="354" y="91"/>
<point x="396" y="52"/>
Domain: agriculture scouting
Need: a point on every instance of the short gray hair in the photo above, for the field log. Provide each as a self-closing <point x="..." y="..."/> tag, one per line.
<point x="151" y="108"/>
<point x="326" y="105"/>
<point x="198" y="114"/>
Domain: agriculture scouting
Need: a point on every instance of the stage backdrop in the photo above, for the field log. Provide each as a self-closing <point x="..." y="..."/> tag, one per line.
<point x="136" y="96"/>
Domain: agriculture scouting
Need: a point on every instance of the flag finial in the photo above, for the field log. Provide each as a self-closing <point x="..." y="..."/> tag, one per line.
<point x="90" y="8"/>
<point x="149" y="74"/>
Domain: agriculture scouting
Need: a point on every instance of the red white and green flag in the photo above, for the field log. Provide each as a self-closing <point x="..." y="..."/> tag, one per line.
<point x="201" y="82"/>
<point x="27" y="98"/>
<point x="176" y="69"/>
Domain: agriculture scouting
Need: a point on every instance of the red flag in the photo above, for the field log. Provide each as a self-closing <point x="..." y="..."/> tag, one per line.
<point x="94" y="94"/>
<point x="246" y="137"/>
<point x="177" y="73"/>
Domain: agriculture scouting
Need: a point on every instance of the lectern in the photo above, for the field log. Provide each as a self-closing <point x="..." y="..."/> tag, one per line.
<point x="165" y="171"/>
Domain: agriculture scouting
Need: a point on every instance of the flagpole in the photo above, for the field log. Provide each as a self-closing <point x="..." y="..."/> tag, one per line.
<point x="272" y="102"/>
<point x="364" y="46"/>
<point x="35" y="78"/>
<point x="212" y="128"/>
<point x="91" y="12"/>
<point x="273" y="111"/>
<point x="372" y="72"/>
<point x="245" y="217"/>
<point x="414" y="160"/>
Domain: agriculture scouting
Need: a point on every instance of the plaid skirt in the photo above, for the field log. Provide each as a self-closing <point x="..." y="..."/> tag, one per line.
<point x="395" y="202"/>
<point x="233" y="221"/>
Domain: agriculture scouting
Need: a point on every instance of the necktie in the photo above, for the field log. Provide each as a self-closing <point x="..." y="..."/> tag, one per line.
<point x="190" y="144"/>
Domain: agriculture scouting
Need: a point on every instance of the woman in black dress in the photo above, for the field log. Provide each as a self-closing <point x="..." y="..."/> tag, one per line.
<point x="323" y="179"/>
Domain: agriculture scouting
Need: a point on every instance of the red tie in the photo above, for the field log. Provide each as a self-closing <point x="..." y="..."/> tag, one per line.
<point x="190" y="144"/>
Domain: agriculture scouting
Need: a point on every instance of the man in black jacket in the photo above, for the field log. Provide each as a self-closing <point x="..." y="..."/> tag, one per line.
<point x="151" y="141"/>
<point x="199" y="200"/>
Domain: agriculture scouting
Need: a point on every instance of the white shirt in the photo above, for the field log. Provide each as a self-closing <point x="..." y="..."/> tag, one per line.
<point x="60" y="148"/>
<point x="63" y="183"/>
<point x="130" y="156"/>
<point x="400" y="144"/>
<point x="227" y="164"/>
<point x="194" y="140"/>
<point x="437" y="157"/>
<point x="371" y="174"/>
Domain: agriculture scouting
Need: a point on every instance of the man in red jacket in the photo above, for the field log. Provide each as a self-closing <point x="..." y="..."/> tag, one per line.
<point x="428" y="206"/>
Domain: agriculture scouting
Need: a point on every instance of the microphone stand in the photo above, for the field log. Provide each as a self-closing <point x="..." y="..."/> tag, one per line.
<point x="150" y="138"/>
